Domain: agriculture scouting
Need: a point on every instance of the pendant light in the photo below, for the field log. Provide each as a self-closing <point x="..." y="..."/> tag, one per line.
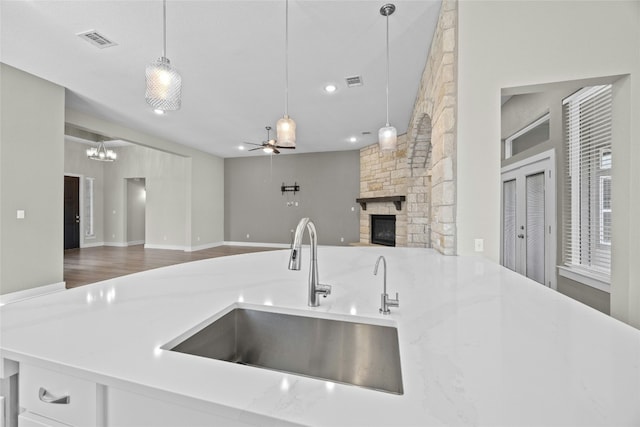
<point x="387" y="136"/>
<point x="101" y="153"/>
<point x="286" y="127"/>
<point x="164" y="84"/>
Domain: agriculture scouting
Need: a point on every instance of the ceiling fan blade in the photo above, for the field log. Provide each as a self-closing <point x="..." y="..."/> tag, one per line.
<point x="252" y="143"/>
<point x="254" y="149"/>
<point x="286" y="148"/>
<point x="275" y="150"/>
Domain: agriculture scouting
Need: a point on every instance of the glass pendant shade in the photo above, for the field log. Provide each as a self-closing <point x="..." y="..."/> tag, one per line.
<point x="164" y="86"/>
<point x="387" y="138"/>
<point x="388" y="135"/>
<point x="286" y="132"/>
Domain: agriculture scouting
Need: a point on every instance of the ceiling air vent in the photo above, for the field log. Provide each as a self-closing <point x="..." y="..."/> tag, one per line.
<point x="354" y="81"/>
<point x="96" y="39"/>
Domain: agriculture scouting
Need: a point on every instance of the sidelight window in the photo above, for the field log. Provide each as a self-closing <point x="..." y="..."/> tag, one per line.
<point x="587" y="212"/>
<point x="89" y="207"/>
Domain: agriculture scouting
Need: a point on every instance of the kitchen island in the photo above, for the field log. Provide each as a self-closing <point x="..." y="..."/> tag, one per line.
<point x="479" y="345"/>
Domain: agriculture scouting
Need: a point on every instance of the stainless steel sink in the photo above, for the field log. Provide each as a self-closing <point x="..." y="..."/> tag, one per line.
<point x="341" y="351"/>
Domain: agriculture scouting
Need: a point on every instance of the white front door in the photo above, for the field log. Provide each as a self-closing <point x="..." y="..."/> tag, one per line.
<point x="528" y="218"/>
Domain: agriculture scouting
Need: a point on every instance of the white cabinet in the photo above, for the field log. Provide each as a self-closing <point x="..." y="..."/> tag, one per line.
<point x="56" y="397"/>
<point x="27" y="419"/>
<point x="50" y="398"/>
<point x="127" y="409"/>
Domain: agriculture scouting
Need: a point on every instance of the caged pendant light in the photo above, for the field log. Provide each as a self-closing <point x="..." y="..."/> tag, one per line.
<point x="164" y="83"/>
<point x="388" y="135"/>
<point x="286" y="127"/>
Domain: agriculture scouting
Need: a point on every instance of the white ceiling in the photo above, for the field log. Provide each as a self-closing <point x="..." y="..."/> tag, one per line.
<point x="231" y="58"/>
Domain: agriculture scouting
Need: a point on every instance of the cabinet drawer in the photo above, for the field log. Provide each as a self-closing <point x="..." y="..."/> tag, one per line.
<point x="39" y="389"/>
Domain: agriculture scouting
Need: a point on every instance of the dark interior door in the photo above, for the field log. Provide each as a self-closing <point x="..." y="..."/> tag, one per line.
<point x="71" y="212"/>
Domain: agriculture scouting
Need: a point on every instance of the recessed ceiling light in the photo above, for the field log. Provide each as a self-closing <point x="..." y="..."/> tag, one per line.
<point x="330" y="88"/>
<point x="352" y="139"/>
<point x="240" y="147"/>
<point x="158" y="112"/>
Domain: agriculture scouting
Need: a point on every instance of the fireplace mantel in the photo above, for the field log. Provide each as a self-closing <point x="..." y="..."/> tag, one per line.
<point x="397" y="200"/>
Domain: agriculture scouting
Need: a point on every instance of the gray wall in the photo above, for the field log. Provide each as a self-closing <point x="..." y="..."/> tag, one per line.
<point x="136" y="201"/>
<point x="31" y="179"/>
<point x="166" y="182"/>
<point x="195" y="218"/>
<point x="518" y="112"/>
<point x="531" y="54"/>
<point x="329" y="185"/>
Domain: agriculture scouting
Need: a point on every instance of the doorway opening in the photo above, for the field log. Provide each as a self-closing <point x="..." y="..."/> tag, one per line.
<point x="136" y="199"/>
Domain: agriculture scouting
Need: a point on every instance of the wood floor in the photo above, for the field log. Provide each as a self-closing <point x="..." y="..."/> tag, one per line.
<point x="90" y="265"/>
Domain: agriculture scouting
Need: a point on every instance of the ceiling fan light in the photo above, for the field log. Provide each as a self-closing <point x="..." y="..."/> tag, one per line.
<point x="268" y="150"/>
<point x="164" y="86"/>
<point x="387" y="138"/>
<point x="286" y="132"/>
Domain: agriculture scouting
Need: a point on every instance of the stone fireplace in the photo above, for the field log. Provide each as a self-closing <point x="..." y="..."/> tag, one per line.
<point x="422" y="167"/>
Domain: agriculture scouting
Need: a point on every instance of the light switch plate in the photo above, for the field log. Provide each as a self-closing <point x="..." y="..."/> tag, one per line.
<point x="20" y="214"/>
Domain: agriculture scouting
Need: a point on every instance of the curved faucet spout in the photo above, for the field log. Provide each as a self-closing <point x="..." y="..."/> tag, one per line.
<point x="385" y="301"/>
<point x="315" y="287"/>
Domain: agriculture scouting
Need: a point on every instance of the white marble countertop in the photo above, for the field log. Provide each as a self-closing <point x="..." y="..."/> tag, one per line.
<point x="479" y="344"/>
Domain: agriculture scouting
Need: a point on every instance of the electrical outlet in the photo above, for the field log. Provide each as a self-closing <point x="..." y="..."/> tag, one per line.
<point x="479" y="244"/>
<point x="342" y="239"/>
<point x="353" y="208"/>
<point x="248" y="235"/>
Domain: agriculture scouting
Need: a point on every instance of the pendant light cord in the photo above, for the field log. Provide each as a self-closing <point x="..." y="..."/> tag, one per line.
<point x="286" y="60"/>
<point x="387" y="70"/>
<point x="164" y="28"/>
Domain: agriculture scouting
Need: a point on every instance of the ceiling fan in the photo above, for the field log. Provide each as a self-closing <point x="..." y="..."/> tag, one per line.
<point x="268" y="146"/>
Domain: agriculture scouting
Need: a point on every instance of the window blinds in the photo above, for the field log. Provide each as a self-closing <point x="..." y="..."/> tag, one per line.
<point x="587" y="207"/>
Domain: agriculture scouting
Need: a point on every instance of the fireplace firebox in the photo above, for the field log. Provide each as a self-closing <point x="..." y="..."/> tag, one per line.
<point x="383" y="230"/>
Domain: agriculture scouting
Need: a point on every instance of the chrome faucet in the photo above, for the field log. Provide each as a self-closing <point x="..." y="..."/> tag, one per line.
<point x="385" y="301"/>
<point x="315" y="287"/>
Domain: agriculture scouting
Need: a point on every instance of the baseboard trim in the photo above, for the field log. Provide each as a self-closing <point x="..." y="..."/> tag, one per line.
<point x="167" y="247"/>
<point x="91" y="245"/>
<point x="263" y="245"/>
<point x="31" y="293"/>
<point x="205" y="246"/>
<point x="135" y="243"/>
<point x="116" y="244"/>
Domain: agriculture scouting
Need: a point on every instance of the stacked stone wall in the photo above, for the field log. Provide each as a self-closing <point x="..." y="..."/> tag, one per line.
<point x="424" y="165"/>
<point x="384" y="174"/>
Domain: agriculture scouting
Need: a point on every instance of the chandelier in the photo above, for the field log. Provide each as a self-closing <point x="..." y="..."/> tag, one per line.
<point x="101" y="153"/>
